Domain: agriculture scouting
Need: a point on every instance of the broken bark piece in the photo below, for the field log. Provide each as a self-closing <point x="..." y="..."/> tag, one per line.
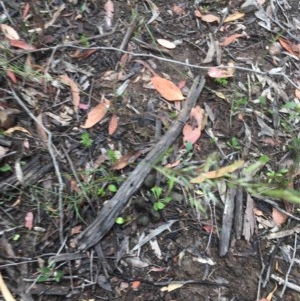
<point x="111" y="209"/>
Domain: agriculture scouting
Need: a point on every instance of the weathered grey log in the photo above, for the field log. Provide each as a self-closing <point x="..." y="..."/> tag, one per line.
<point x="33" y="171"/>
<point x="113" y="208"/>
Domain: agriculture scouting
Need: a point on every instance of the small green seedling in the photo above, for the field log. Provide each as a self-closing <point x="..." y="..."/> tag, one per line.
<point x="234" y="143"/>
<point x="277" y="176"/>
<point x="112" y="188"/>
<point x="6" y="167"/>
<point x="46" y="273"/>
<point x="221" y="81"/>
<point x="120" y="220"/>
<point x="160" y="203"/>
<point x="86" y="140"/>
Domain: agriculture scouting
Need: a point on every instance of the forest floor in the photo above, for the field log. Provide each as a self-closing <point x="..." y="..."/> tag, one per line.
<point x="124" y="178"/>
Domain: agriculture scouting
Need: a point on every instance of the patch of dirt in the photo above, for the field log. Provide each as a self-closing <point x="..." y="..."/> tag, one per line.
<point x="57" y="175"/>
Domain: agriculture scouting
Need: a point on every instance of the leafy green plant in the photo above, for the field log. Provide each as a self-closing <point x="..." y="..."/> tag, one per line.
<point x="6" y="167"/>
<point x="160" y="202"/>
<point x="221" y="81"/>
<point x="84" y="40"/>
<point x="234" y="143"/>
<point x="86" y="140"/>
<point x="277" y="177"/>
<point x="238" y="103"/>
<point x="49" y="273"/>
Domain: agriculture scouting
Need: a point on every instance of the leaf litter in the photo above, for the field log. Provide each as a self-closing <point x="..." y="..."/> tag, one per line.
<point x="250" y="113"/>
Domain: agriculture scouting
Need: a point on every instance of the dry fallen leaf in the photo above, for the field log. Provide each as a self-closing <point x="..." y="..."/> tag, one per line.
<point x="192" y="130"/>
<point x="278" y="217"/>
<point x="74" y="90"/>
<point x="28" y="220"/>
<point x="11" y="75"/>
<point x="154" y="10"/>
<point x="178" y="10"/>
<point x="287" y="46"/>
<point x="214" y="174"/>
<point x="216" y="72"/>
<point x="228" y="40"/>
<point x="235" y="16"/>
<point x="9" y="32"/>
<point x="172" y="287"/>
<point x="126" y="160"/>
<point x="109" y="13"/>
<point x="209" y="18"/>
<point x="165" y="43"/>
<point x="21" y="44"/>
<point x="96" y="114"/>
<point x="166" y="88"/>
<point x="113" y="124"/>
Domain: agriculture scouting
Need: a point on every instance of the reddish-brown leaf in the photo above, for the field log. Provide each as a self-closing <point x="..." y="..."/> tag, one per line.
<point x="228" y="40"/>
<point x="287" y="46"/>
<point x="126" y="160"/>
<point x="21" y="44"/>
<point x="113" y="124"/>
<point x="11" y="75"/>
<point x="192" y="130"/>
<point x="166" y="88"/>
<point x="96" y="114"/>
<point x="25" y="11"/>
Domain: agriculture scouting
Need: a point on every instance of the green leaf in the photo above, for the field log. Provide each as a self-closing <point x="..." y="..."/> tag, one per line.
<point x="112" y="188"/>
<point x="159" y="206"/>
<point x="157" y="191"/>
<point x="120" y="220"/>
<point x="5" y="167"/>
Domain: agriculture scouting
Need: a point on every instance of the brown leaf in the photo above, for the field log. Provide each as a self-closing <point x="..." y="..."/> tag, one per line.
<point x="25" y="11"/>
<point x="178" y="10"/>
<point x="9" y="32"/>
<point x="76" y="230"/>
<point x="113" y="124"/>
<point x="166" y="88"/>
<point x="216" y="72"/>
<point x="96" y="114"/>
<point x="21" y="44"/>
<point x="192" y="130"/>
<point x="209" y="18"/>
<point x="278" y="217"/>
<point x="287" y="46"/>
<point x="74" y="90"/>
<point x="126" y="160"/>
<point x="28" y="220"/>
<point x="235" y="16"/>
<point x="82" y="53"/>
<point x="11" y="75"/>
<point x="228" y="40"/>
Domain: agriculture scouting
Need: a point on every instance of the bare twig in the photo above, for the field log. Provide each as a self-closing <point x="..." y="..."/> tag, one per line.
<point x="290" y="267"/>
<point x="53" y="152"/>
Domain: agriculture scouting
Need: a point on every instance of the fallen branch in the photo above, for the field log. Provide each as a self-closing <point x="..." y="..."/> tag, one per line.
<point x="112" y="209"/>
